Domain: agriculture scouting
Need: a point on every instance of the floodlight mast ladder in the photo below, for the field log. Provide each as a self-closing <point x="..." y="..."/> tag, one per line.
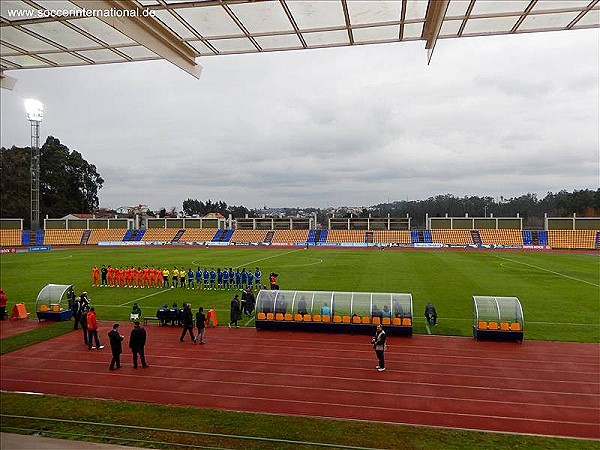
<point x="35" y="174"/>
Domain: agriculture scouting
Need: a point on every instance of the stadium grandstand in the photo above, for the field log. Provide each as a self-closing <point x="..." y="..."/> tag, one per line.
<point x="12" y="235"/>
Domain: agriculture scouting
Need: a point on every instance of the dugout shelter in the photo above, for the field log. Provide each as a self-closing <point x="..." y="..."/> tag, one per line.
<point x="53" y="302"/>
<point x="335" y="312"/>
<point x="497" y="318"/>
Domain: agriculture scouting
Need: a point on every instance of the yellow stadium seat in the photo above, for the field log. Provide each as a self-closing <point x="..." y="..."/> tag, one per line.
<point x="346" y="319"/>
<point x="376" y="320"/>
<point x="306" y="318"/>
<point x="278" y="316"/>
<point x="56" y="308"/>
<point x="366" y="319"/>
<point x="355" y="319"/>
<point x="288" y="316"/>
<point x="482" y="325"/>
<point x="396" y="321"/>
<point x="326" y="319"/>
<point x="316" y="318"/>
<point x="261" y="316"/>
<point x="385" y="321"/>
<point x="43" y="308"/>
<point x="515" y="326"/>
<point x="493" y="326"/>
<point x="337" y="319"/>
<point x="406" y="322"/>
<point x="504" y="326"/>
<point x="270" y="316"/>
<point x="298" y="317"/>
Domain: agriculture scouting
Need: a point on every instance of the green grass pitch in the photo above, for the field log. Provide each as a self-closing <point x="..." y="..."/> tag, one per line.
<point x="560" y="292"/>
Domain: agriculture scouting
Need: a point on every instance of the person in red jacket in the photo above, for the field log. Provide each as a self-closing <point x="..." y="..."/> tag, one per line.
<point x="92" y="325"/>
<point x="3" y="299"/>
<point x="95" y="276"/>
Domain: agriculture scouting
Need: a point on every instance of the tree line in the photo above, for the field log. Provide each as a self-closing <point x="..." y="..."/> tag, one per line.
<point x="584" y="203"/>
<point x="68" y="183"/>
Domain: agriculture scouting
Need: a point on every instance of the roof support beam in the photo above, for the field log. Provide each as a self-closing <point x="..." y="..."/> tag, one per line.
<point x="147" y="31"/>
<point x="7" y="82"/>
<point x="436" y="11"/>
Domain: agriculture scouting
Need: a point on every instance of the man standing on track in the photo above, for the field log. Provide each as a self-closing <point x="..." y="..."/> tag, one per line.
<point x="379" y="345"/>
<point x="137" y="341"/>
<point x="115" y="346"/>
<point x="201" y="325"/>
<point x="188" y="322"/>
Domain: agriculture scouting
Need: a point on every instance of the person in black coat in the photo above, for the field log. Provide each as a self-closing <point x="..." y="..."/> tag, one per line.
<point x="431" y="314"/>
<point x="115" y="346"/>
<point x="379" y="345"/>
<point x="83" y="321"/>
<point x="188" y="322"/>
<point x="137" y="341"/>
<point x="250" y="301"/>
<point x="76" y="308"/>
<point x="234" y="312"/>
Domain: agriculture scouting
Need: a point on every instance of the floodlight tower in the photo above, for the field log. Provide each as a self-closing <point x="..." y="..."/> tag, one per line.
<point x="35" y="113"/>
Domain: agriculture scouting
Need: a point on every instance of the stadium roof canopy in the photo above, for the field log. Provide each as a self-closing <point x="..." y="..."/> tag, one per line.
<point x="57" y="33"/>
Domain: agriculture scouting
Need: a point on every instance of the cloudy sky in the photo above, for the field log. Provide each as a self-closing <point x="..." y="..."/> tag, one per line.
<point x="352" y="126"/>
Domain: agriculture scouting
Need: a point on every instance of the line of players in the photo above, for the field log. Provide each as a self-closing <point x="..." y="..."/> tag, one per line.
<point x="177" y="278"/>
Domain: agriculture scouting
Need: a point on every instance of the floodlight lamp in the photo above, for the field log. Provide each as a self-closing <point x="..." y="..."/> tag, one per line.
<point x="34" y="109"/>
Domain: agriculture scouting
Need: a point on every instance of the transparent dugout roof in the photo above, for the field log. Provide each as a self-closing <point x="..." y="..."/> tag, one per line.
<point x="499" y="309"/>
<point x="334" y="303"/>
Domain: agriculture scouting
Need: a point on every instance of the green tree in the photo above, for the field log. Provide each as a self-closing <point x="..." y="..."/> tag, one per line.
<point x="68" y="183"/>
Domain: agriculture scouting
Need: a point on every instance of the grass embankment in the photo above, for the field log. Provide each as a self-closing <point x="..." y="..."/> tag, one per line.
<point x="171" y="425"/>
<point x="17" y="341"/>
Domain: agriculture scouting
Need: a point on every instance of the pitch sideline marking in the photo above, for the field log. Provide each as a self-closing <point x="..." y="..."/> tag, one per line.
<point x="547" y="270"/>
<point x="145" y="296"/>
<point x="194" y="262"/>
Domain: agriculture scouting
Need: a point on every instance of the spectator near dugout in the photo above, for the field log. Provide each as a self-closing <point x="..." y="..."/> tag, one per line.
<point x="431" y="314"/>
<point x="3" y="300"/>
<point x="273" y="281"/>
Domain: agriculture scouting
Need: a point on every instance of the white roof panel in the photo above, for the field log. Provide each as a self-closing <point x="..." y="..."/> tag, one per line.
<point x="66" y="59"/>
<point x="16" y="10"/>
<point x="25" y="61"/>
<point x="591" y="18"/>
<point x="545" y="5"/>
<point x="374" y="34"/>
<point x="325" y="38"/>
<point x="279" y="41"/>
<point x="416" y="9"/>
<point x="138" y="52"/>
<point x="210" y="21"/>
<point x="24" y="40"/>
<point x="457" y="8"/>
<point x="364" y="12"/>
<point x="311" y="15"/>
<point x="61" y="34"/>
<point x="174" y="24"/>
<point x="102" y="31"/>
<point x="101" y="56"/>
<point x="233" y="45"/>
<point x="490" y="25"/>
<point x="550" y="21"/>
<point x="263" y="17"/>
<point x="505" y="6"/>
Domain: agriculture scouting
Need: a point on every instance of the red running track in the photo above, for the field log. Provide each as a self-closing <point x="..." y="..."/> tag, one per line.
<point x="546" y="388"/>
